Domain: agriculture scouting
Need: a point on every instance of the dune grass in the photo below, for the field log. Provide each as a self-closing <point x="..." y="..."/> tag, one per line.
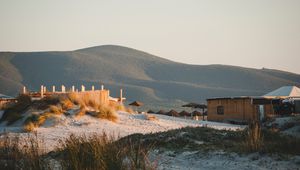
<point x="14" y="112"/>
<point x="96" y="151"/>
<point x="103" y="152"/>
<point x="17" y="153"/>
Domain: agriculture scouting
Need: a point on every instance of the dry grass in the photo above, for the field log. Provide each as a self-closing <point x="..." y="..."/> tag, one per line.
<point x="254" y="138"/>
<point x="151" y="117"/>
<point x="25" y="153"/>
<point x="56" y="109"/>
<point x="66" y="104"/>
<point x="106" y="112"/>
<point x="36" y="120"/>
<point x="102" y="152"/>
<point x="29" y="127"/>
<point x="14" y="112"/>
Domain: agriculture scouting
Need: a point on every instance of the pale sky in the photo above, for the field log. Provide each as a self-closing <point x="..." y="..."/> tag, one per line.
<point x="250" y="33"/>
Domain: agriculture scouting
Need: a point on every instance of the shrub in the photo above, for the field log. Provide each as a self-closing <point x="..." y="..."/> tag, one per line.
<point x="14" y="112"/>
<point x="29" y="127"/>
<point x="56" y="109"/>
<point x="102" y="152"/>
<point x="254" y="139"/>
<point x="21" y="153"/>
<point x="105" y="112"/>
<point x="66" y="104"/>
<point x="46" y="102"/>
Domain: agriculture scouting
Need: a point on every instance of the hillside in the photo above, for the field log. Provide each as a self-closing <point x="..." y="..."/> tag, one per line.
<point x="143" y="76"/>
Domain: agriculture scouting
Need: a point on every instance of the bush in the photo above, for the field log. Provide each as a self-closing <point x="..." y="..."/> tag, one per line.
<point x="17" y="153"/>
<point x="66" y="104"/>
<point x="101" y="152"/>
<point x="56" y="109"/>
<point x="105" y="112"/>
<point x="254" y="138"/>
<point x="14" y="112"/>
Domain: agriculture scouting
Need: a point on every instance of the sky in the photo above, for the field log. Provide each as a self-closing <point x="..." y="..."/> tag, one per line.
<point x="256" y="33"/>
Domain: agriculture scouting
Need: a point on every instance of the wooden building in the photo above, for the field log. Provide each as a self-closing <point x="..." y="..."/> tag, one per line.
<point x="239" y="109"/>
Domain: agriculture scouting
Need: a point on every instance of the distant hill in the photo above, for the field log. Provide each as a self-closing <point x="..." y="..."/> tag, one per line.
<point x="143" y="76"/>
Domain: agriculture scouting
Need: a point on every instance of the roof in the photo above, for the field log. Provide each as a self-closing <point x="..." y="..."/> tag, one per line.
<point x="234" y="97"/>
<point x="285" y="91"/>
<point x="136" y="103"/>
<point x="2" y="96"/>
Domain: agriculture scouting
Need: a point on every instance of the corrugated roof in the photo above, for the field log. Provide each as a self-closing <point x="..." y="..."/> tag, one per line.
<point x="2" y="96"/>
<point x="285" y="91"/>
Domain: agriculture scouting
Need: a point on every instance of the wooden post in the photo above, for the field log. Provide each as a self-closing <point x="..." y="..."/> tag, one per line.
<point x="24" y="90"/>
<point x="121" y="96"/>
<point x="42" y="91"/>
<point x="63" y="89"/>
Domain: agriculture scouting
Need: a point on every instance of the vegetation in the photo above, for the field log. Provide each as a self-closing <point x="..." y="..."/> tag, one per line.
<point x="76" y="152"/>
<point x="17" y="153"/>
<point x="207" y="139"/>
<point x="14" y="112"/>
<point x="103" y="152"/>
<point x="140" y="73"/>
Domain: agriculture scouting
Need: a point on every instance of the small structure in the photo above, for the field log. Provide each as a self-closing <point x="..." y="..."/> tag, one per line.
<point x="161" y="112"/>
<point x="245" y="108"/>
<point x="173" y="113"/>
<point x="184" y="113"/>
<point x="150" y="111"/>
<point x="4" y="100"/>
<point x="241" y="109"/>
<point x="136" y="104"/>
<point x="196" y="106"/>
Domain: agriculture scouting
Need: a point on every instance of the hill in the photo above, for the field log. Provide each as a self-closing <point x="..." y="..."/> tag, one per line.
<point x="143" y="76"/>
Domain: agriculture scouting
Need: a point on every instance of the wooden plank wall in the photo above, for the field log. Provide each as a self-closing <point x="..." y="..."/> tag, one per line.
<point x="234" y="109"/>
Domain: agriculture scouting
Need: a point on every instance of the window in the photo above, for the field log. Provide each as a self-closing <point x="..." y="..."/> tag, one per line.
<point x="220" y="110"/>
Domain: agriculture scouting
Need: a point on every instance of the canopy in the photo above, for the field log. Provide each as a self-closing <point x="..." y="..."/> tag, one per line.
<point x="136" y="103"/>
<point x="2" y="96"/>
<point x="285" y="91"/>
<point x="195" y="105"/>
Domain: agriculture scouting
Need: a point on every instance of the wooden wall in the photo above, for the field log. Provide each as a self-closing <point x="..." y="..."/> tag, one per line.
<point x="239" y="109"/>
<point x="100" y="96"/>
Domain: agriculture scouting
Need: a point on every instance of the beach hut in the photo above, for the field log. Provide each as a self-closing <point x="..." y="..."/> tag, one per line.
<point x="136" y="104"/>
<point x="161" y="112"/>
<point x="184" y="113"/>
<point x="196" y="106"/>
<point x="284" y="92"/>
<point x="173" y="113"/>
<point x="150" y="111"/>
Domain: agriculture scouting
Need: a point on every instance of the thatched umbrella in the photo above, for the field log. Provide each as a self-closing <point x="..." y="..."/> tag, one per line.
<point x="196" y="113"/>
<point x="195" y="106"/>
<point x="136" y="104"/>
<point x="173" y="113"/>
<point x="150" y="111"/>
<point x="161" y="112"/>
<point x="184" y="113"/>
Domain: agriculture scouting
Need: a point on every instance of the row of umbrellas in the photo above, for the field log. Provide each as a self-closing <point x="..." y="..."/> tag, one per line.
<point x="177" y="114"/>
